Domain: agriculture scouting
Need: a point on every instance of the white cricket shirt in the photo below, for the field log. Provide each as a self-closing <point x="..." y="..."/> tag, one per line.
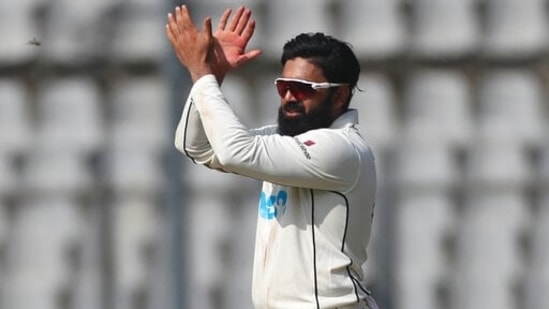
<point x="315" y="207"/>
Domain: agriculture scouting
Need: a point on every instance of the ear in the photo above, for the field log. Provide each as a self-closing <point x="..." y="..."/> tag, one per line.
<point x="341" y="96"/>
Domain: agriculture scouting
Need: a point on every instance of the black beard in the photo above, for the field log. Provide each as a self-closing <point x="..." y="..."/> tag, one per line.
<point x="317" y="118"/>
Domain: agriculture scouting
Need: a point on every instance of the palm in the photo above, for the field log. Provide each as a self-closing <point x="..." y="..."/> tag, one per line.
<point x="231" y="46"/>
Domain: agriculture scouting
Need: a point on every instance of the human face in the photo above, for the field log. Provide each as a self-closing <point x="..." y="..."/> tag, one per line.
<point x="297" y="113"/>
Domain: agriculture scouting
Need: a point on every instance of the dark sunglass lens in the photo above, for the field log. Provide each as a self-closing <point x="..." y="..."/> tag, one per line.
<point x="300" y="91"/>
<point x="282" y="87"/>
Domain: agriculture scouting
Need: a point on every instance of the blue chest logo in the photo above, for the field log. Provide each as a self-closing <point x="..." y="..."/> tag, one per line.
<point x="272" y="206"/>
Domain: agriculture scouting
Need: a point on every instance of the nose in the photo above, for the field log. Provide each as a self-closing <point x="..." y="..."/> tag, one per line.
<point x="288" y="95"/>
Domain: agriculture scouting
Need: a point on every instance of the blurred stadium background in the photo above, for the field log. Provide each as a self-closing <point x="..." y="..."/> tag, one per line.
<point x="98" y="210"/>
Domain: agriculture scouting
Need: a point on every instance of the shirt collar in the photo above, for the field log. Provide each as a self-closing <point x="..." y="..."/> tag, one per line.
<point x="349" y="118"/>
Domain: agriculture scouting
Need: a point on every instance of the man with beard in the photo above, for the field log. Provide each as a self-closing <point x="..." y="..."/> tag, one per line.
<point x="317" y="199"/>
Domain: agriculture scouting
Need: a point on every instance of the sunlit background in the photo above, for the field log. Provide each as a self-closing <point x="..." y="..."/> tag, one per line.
<point x="99" y="211"/>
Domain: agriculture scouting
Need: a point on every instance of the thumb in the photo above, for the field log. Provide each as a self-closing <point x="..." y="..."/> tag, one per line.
<point x="207" y="29"/>
<point x="207" y="36"/>
<point x="249" y="56"/>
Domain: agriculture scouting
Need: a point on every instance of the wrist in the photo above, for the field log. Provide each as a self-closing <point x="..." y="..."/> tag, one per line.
<point x="200" y="71"/>
<point x="219" y="73"/>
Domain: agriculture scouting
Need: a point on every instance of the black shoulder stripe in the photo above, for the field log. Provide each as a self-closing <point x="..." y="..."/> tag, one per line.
<point x="356" y="283"/>
<point x="314" y="247"/>
<point x="186" y="130"/>
<point x="346" y="218"/>
<point x="343" y="240"/>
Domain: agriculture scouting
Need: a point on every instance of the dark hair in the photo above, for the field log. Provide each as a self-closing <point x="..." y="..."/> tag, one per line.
<point x="336" y="58"/>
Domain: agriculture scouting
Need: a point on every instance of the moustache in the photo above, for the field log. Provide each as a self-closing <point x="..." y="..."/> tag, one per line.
<point x="293" y="107"/>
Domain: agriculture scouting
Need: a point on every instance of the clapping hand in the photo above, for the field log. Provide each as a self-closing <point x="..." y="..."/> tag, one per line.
<point x="203" y="53"/>
<point x="231" y="40"/>
<point x="193" y="48"/>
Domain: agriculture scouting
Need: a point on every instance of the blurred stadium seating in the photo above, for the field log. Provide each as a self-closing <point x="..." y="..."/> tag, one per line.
<point x="453" y="99"/>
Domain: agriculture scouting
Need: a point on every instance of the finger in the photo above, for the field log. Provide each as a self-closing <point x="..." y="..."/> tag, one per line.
<point x="243" y="21"/>
<point x="236" y="18"/>
<point x="249" y="31"/>
<point x="249" y="56"/>
<point x="177" y="15"/>
<point x="172" y="37"/>
<point x="207" y="28"/>
<point x="172" y="24"/>
<point x="183" y="18"/>
<point x="169" y="34"/>
<point x="223" y="20"/>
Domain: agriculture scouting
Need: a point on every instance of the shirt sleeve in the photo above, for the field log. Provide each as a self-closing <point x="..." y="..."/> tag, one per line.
<point x="318" y="159"/>
<point x="190" y="138"/>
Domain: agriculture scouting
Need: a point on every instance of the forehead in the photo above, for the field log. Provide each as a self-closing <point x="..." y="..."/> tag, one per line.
<point x="302" y="68"/>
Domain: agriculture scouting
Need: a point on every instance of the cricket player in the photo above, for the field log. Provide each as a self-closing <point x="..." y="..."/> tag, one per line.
<point x="319" y="182"/>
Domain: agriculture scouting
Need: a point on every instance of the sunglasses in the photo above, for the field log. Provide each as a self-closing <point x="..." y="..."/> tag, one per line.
<point x="301" y="89"/>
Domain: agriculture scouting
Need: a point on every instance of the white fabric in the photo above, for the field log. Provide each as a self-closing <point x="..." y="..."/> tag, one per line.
<point x="316" y="203"/>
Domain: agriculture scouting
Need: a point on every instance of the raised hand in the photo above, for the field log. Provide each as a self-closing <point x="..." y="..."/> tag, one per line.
<point x="231" y="39"/>
<point x="193" y="48"/>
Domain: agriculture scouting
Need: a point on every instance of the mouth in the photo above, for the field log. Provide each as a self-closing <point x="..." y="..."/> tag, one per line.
<point x="292" y="114"/>
<point x="293" y="109"/>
